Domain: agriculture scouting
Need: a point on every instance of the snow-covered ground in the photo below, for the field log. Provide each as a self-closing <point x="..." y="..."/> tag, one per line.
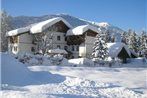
<point x="20" y="81"/>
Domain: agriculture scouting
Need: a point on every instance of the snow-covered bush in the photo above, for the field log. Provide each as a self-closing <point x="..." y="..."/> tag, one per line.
<point x="57" y="59"/>
<point x="39" y="59"/>
<point x="81" y="62"/>
<point x="46" y="61"/>
<point x="24" y="57"/>
<point x="33" y="61"/>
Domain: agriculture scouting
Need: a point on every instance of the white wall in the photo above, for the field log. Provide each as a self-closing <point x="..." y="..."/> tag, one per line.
<point x="86" y="48"/>
<point x="25" y="43"/>
<point x="60" y="42"/>
<point x="75" y="52"/>
<point x="82" y="50"/>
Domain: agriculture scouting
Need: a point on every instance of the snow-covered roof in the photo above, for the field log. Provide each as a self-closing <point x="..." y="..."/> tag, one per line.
<point x="39" y="27"/>
<point x="18" y="31"/>
<point x="59" y="51"/>
<point x="134" y="53"/>
<point x="115" y="48"/>
<point x="79" y="30"/>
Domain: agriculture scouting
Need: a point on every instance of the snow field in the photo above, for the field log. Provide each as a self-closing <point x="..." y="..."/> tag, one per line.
<point x="18" y="81"/>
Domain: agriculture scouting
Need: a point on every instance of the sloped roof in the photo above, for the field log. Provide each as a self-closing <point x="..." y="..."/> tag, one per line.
<point x="80" y="30"/>
<point x="18" y="31"/>
<point x="41" y="26"/>
<point x="115" y="48"/>
<point x="133" y="53"/>
<point x="37" y="27"/>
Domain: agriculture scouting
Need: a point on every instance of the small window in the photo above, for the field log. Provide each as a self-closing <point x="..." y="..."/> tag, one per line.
<point x="77" y="48"/>
<point x="33" y="49"/>
<point x="65" y="47"/>
<point x="15" y="48"/>
<point x="58" y="38"/>
<point x="73" y="48"/>
<point x="58" y="46"/>
<point x="65" y="38"/>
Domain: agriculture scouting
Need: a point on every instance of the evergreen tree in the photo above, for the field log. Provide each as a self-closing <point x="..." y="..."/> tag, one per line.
<point x="133" y="42"/>
<point x="108" y="37"/>
<point x="5" y="27"/>
<point x="127" y="36"/>
<point x="100" y="50"/>
<point x="143" y="42"/>
<point x="124" y="37"/>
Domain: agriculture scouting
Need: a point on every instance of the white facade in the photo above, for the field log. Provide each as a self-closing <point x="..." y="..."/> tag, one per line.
<point x="58" y="40"/>
<point x="25" y="38"/>
<point x="85" y="49"/>
<point x="24" y="44"/>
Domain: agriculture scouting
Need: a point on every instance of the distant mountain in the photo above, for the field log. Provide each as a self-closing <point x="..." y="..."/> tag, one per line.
<point x="22" y="21"/>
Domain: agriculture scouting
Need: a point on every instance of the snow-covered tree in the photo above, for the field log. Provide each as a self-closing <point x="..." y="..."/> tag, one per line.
<point x="133" y="42"/>
<point x="124" y="37"/>
<point x="100" y="48"/>
<point x="127" y="36"/>
<point x="43" y="41"/>
<point x="108" y="36"/>
<point x="5" y="26"/>
<point x="143" y="44"/>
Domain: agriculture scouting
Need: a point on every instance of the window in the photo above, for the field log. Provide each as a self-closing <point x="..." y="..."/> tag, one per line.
<point x="14" y="39"/>
<point x="73" y="48"/>
<point x="58" y="46"/>
<point x="77" y="48"/>
<point x="65" y="38"/>
<point x="33" y="49"/>
<point x="15" y="48"/>
<point x="58" y="38"/>
<point x="65" y="47"/>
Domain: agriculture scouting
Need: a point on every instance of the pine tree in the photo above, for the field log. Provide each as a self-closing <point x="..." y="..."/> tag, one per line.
<point x="143" y="42"/>
<point x="133" y="42"/>
<point x="108" y="37"/>
<point x="100" y="49"/>
<point x="127" y="36"/>
<point x="5" y="27"/>
<point x="124" y="37"/>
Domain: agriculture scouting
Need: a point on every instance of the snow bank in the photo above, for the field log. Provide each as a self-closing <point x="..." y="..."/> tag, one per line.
<point x="81" y="62"/>
<point x="79" y="30"/>
<point x="13" y="72"/>
<point x="16" y="73"/>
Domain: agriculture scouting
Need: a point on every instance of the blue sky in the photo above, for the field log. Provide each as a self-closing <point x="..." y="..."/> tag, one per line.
<point x="122" y="13"/>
